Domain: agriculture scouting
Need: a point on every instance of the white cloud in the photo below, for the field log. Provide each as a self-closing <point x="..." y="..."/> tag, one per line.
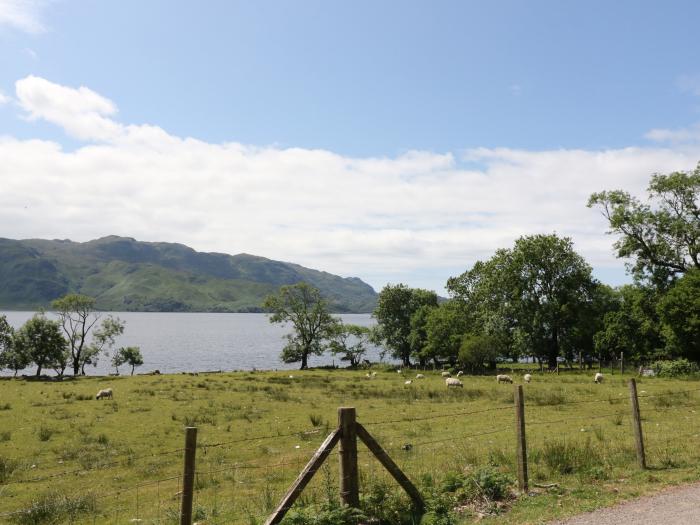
<point x="378" y="218"/>
<point x="24" y="15"/>
<point x="4" y="99"/>
<point x="81" y="112"/>
<point x="679" y="135"/>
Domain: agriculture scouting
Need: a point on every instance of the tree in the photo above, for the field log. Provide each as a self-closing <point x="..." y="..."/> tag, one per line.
<point x="530" y="299"/>
<point x="131" y="355"/>
<point x="396" y="306"/>
<point x="445" y="329"/>
<point x="41" y="341"/>
<point x="679" y="311"/>
<point x="301" y="305"/>
<point x="663" y="238"/>
<point x="78" y="317"/>
<point x="10" y="356"/>
<point x="631" y="325"/>
<point x="350" y="342"/>
<point x="478" y="352"/>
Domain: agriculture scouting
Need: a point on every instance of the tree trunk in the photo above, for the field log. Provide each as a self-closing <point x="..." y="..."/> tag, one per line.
<point x="38" y="370"/>
<point x="132" y="369"/>
<point x="553" y="350"/>
<point x="304" y="361"/>
<point x="76" y="367"/>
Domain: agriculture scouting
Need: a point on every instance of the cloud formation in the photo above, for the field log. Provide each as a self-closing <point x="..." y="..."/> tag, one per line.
<point x="382" y="219"/>
<point x="24" y="15"/>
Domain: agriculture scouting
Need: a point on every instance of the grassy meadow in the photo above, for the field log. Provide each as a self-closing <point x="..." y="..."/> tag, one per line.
<point x="69" y="458"/>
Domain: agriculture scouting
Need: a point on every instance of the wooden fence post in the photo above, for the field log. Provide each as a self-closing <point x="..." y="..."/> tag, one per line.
<point x="520" y="438"/>
<point x="347" y="451"/>
<point x="637" y="424"/>
<point x="622" y="362"/>
<point x="188" y="476"/>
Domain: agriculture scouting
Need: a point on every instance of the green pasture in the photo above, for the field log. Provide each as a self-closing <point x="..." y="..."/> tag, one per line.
<point x="70" y="458"/>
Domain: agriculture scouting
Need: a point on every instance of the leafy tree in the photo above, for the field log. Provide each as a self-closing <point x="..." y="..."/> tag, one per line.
<point x="301" y="305"/>
<point x="396" y="306"/>
<point x="478" y="352"/>
<point x="664" y="238"/>
<point x="418" y="336"/>
<point x="78" y="317"/>
<point x="131" y="355"/>
<point x="631" y="326"/>
<point x="350" y="342"/>
<point x="41" y="341"/>
<point x="531" y="298"/>
<point x="679" y="311"/>
<point x="10" y="356"/>
<point x="445" y="329"/>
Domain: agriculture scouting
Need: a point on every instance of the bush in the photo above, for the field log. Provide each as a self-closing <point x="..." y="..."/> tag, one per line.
<point x="55" y="507"/>
<point x="565" y="457"/>
<point x="675" y="368"/>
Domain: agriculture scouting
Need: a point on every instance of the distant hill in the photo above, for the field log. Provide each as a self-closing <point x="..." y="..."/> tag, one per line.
<point x="127" y="275"/>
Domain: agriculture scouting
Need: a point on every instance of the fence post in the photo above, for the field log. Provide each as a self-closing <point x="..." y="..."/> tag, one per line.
<point x="520" y="438"/>
<point x="347" y="451"/>
<point x="188" y="476"/>
<point x="637" y="424"/>
<point x="622" y="362"/>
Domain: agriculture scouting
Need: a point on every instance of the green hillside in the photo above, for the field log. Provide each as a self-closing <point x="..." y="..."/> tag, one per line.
<point x="128" y="275"/>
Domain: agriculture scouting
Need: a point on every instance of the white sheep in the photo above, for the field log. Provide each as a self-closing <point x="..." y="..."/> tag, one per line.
<point x="502" y="378"/>
<point x="107" y="392"/>
<point x="527" y="378"/>
<point x="446" y="374"/>
<point x="460" y="373"/>
<point x="408" y="382"/>
<point x="420" y="376"/>
<point x="453" y="381"/>
<point x="598" y="378"/>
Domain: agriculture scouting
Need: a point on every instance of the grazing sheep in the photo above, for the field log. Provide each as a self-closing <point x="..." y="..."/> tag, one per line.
<point x="460" y="373"/>
<point x="408" y="382"/>
<point x="502" y="378"/>
<point x="107" y="392"/>
<point x="598" y="378"/>
<point x="453" y="381"/>
<point x="420" y="376"/>
<point x="399" y="371"/>
<point x="527" y="378"/>
<point x="446" y="374"/>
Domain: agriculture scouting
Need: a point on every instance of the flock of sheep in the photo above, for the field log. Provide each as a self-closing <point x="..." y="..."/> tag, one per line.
<point x="449" y="381"/>
<point x="455" y="382"/>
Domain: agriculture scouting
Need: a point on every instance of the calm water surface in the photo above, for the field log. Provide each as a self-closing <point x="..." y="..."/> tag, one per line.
<point x="195" y="342"/>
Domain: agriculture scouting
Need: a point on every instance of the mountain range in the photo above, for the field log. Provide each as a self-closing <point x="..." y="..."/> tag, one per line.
<point x="124" y="274"/>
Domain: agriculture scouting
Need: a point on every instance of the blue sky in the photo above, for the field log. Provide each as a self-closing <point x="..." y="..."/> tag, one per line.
<point x="467" y="118"/>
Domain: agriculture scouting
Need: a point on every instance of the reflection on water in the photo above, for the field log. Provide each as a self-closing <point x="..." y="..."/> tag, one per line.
<point x="177" y="342"/>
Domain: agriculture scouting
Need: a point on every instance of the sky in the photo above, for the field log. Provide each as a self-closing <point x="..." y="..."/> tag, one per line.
<point x="391" y="141"/>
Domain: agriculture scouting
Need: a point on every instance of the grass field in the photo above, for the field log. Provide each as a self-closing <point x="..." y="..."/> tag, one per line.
<point x="70" y="458"/>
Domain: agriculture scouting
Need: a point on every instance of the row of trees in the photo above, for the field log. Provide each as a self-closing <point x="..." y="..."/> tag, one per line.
<point x="537" y="299"/>
<point x="78" y="338"/>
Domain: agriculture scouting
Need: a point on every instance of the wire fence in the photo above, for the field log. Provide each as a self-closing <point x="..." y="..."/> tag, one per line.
<point x="241" y="480"/>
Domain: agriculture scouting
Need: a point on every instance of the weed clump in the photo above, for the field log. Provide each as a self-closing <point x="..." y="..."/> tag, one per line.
<point x="55" y="507"/>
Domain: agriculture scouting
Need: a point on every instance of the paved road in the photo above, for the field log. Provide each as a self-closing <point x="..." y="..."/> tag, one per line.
<point x="676" y="506"/>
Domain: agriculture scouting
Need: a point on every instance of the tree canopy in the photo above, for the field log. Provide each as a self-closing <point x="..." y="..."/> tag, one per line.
<point x="530" y="299"/>
<point x="396" y="306"/>
<point x="302" y="305"/>
<point x="41" y="342"/>
<point x="130" y="355"/>
<point x="662" y="237"/>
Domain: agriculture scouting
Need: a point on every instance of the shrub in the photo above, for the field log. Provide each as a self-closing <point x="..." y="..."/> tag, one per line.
<point x="55" y="507"/>
<point x="675" y="368"/>
<point x="564" y="457"/>
<point x="491" y="483"/>
<point x="7" y="467"/>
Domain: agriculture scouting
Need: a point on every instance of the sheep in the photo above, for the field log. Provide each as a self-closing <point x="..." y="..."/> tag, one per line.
<point x="460" y="373"/>
<point x="453" y="381"/>
<point x="598" y="378"/>
<point x="420" y="376"/>
<point x="502" y="378"/>
<point x="446" y="374"/>
<point x="107" y="392"/>
<point x="527" y="378"/>
<point x="408" y="382"/>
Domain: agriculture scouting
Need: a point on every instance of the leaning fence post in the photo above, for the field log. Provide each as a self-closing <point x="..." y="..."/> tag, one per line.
<point x="347" y="451"/>
<point x="520" y="438"/>
<point x="637" y="424"/>
<point x="188" y="476"/>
